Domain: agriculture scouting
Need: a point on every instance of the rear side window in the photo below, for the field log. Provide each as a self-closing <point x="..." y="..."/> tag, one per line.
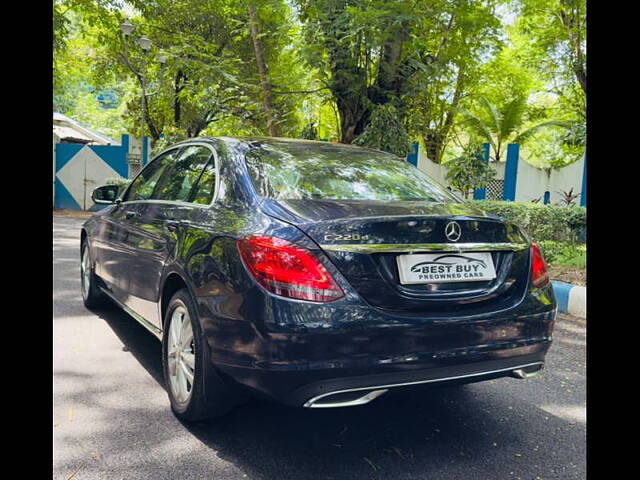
<point x="177" y="181"/>
<point x="144" y="184"/>
<point x="203" y="193"/>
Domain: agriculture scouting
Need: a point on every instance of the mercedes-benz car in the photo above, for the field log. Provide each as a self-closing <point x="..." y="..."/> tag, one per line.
<point x="313" y="274"/>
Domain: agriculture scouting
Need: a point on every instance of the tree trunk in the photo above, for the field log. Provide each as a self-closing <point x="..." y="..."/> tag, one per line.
<point x="497" y="154"/>
<point x="263" y="70"/>
<point x="569" y="15"/>
<point x="435" y="139"/>
<point x="450" y="115"/>
<point x="177" y="105"/>
<point x="353" y="116"/>
<point x="581" y="75"/>
<point x="389" y="82"/>
<point x="154" y="131"/>
<point x="432" y="145"/>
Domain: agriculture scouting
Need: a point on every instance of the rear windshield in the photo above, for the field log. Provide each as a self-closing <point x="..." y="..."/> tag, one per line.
<point x="306" y="171"/>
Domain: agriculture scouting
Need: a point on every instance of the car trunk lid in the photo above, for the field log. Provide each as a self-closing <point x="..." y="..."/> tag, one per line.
<point x="364" y="240"/>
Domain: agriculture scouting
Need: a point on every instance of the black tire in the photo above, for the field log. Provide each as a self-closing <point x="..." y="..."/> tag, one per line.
<point x="210" y="396"/>
<point x="94" y="298"/>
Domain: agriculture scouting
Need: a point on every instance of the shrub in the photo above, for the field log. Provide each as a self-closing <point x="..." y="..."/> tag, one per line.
<point x="564" y="254"/>
<point x="385" y="132"/>
<point x="468" y="172"/>
<point x="541" y="222"/>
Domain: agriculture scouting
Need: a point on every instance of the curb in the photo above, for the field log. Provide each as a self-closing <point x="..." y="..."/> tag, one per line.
<point x="571" y="298"/>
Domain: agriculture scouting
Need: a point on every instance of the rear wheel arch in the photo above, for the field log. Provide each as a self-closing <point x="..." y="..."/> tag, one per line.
<point x="83" y="237"/>
<point x="172" y="284"/>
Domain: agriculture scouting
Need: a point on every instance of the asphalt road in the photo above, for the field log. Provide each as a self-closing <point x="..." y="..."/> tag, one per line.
<point x="112" y="418"/>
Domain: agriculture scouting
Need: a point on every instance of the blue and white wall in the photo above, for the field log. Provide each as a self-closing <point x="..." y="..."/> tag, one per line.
<point x="532" y="181"/>
<point x="79" y="169"/>
<point x="522" y="182"/>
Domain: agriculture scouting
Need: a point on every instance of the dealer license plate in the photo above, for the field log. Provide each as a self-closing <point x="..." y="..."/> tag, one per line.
<point x="445" y="267"/>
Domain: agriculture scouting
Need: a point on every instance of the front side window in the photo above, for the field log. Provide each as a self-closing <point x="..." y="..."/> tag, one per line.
<point x="144" y="184"/>
<point x="180" y="178"/>
<point x="291" y="171"/>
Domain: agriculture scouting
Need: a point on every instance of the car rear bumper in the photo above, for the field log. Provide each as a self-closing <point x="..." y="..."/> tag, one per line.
<point x="300" y="384"/>
<point x="358" y="391"/>
<point x="296" y="365"/>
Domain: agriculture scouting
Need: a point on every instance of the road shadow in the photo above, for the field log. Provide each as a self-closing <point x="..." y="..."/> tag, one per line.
<point x="468" y="431"/>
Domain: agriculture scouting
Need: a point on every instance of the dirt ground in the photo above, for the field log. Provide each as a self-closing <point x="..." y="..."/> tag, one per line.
<point x="577" y="276"/>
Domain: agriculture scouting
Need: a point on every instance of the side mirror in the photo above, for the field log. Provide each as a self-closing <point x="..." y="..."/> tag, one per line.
<point x="105" y="195"/>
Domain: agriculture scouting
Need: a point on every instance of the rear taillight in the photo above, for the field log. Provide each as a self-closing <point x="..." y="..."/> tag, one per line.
<point x="287" y="269"/>
<point x="539" y="274"/>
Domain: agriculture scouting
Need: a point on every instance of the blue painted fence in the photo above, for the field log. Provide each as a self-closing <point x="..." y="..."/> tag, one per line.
<point x="511" y="172"/>
<point x="481" y="193"/>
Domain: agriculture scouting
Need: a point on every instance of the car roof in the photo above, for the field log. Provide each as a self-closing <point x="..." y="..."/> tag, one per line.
<point x="256" y="140"/>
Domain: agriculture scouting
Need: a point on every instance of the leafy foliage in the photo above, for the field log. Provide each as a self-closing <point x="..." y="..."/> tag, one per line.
<point x="556" y="32"/>
<point x="576" y="136"/>
<point x="548" y="149"/>
<point x="542" y="222"/>
<point x="385" y="132"/>
<point x="452" y="53"/>
<point x="447" y="72"/>
<point x="553" y="45"/>
<point x="564" y="254"/>
<point x="568" y="198"/>
<point x="502" y="125"/>
<point x="468" y="171"/>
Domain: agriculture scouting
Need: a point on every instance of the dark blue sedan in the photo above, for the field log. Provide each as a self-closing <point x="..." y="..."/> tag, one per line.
<point x="312" y="274"/>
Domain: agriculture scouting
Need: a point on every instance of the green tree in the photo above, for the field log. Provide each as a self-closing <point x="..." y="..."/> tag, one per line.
<point x="556" y="34"/>
<point x="78" y="76"/>
<point x="201" y="82"/>
<point x="503" y="125"/>
<point x="245" y="67"/>
<point x="458" y="42"/>
<point x="362" y="51"/>
<point x="211" y="77"/>
<point x="468" y="171"/>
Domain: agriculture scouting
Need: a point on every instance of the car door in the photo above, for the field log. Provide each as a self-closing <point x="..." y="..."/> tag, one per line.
<point x="156" y="226"/>
<point x="120" y="239"/>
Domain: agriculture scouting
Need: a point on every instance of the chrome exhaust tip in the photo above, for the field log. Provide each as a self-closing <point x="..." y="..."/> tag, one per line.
<point x="527" y="372"/>
<point x="344" y="399"/>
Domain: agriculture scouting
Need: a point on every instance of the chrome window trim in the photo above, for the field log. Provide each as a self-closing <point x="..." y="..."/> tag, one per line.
<point x="216" y="161"/>
<point x="422" y="247"/>
<point x="181" y="146"/>
<point x="311" y="403"/>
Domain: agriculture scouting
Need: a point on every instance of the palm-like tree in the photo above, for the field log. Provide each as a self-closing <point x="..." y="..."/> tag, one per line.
<point x="501" y="126"/>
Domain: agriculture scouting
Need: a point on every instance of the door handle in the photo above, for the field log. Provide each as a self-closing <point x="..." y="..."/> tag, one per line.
<point x="130" y="214"/>
<point x="172" y="225"/>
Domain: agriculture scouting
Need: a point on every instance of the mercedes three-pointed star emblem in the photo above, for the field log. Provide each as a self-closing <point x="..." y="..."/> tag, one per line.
<point x="453" y="231"/>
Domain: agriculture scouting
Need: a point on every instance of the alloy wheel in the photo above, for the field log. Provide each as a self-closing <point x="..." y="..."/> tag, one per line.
<point x="181" y="355"/>
<point x="85" y="270"/>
